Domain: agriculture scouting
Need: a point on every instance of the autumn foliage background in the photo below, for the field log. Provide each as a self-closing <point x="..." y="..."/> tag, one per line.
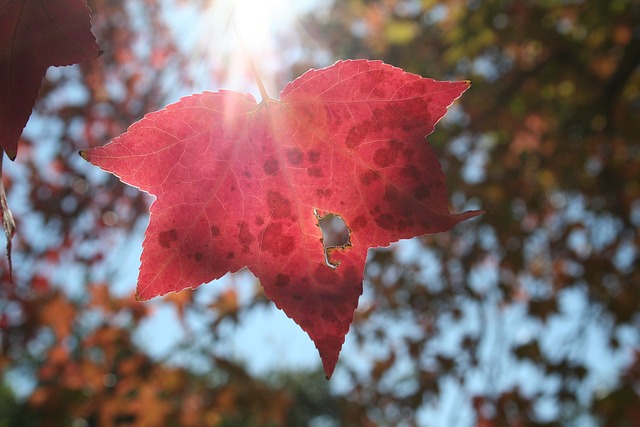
<point x="527" y="316"/>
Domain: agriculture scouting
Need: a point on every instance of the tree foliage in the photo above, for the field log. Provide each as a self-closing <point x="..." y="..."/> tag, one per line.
<point x="544" y="288"/>
<point x="527" y="316"/>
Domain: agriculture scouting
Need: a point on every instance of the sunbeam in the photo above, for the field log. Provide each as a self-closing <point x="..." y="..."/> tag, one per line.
<point x="265" y="31"/>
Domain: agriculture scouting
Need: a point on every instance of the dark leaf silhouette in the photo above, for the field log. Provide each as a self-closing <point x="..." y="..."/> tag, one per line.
<point x="36" y="34"/>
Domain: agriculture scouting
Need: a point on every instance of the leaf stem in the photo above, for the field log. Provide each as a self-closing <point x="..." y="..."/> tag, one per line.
<point x="254" y="70"/>
<point x="8" y="223"/>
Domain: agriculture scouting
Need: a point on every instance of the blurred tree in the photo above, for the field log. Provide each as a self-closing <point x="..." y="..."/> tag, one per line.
<point x="531" y="314"/>
<point x="526" y="317"/>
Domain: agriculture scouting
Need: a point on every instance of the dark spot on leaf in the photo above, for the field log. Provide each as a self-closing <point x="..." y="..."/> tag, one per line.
<point x="245" y="238"/>
<point x="282" y="280"/>
<point x="324" y="192"/>
<point x="274" y="241"/>
<point x="167" y="237"/>
<point x="198" y="256"/>
<point x="274" y="199"/>
<point x="296" y="297"/>
<point x="325" y="275"/>
<point x="308" y="111"/>
<point x="411" y="172"/>
<point x="390" y="194"/>
<point x="401" y="225"/>
<point x="368" y="177"/>
<point x="294" y="156"/>
<point x="230" y="255"/>
<point x="279" y="205"/>
<point x="387" y="156"/>
<point x="385" y="221"/>
<point x="408" y="153"/>
<point x="386" y="117"/>
<point x="314" y="171"/>
<point x="328" y="315"/>
<point x="271" y="166"/>
<point x="351" y="276"/>
<point x="357" y="135"/>
<point x="408" y="127"/>
<point x="331" y="298"/>
<point x="359" y="223"/>
<point x="215" y="231"/>
<point x="422" y="192"/>
<point x="259" y="220"/>
<point x="314" y="156"/>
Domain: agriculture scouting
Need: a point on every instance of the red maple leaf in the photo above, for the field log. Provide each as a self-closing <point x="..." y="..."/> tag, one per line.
<point x="241" y="184"/>
<point x="36" y="34"/>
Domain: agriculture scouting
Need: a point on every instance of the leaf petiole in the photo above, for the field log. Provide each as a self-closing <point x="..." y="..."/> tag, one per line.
<point x="252" y="66"/>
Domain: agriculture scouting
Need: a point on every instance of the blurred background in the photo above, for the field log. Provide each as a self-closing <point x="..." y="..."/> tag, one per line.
<point x="527" y="316"/>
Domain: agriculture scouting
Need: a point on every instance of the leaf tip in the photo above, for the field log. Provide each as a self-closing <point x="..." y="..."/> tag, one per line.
<point x="84" y="154"/>
<point x="11" y="153"/>
<point x="329" y="365"/>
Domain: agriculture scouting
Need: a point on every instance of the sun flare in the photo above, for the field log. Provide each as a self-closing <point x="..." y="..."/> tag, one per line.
<point x="260" y="28"/>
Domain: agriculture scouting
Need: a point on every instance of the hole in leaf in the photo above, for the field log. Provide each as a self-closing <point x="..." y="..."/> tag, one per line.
<point x="335" y="234"/>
